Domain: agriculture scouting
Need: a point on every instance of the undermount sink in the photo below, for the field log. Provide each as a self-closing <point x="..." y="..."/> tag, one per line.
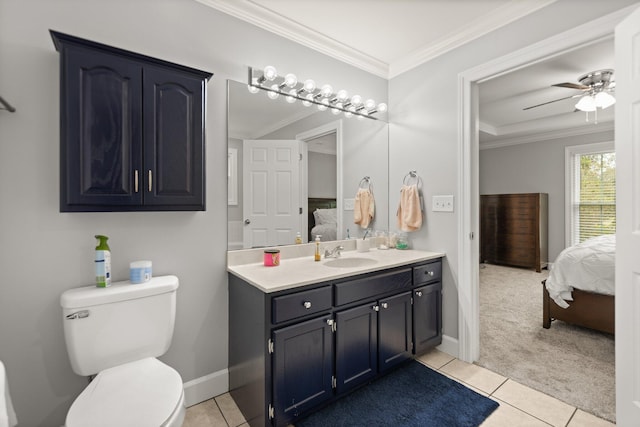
<point x="350" y="262"/>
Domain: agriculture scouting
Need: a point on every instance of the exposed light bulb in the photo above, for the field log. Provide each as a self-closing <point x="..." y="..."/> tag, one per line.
<point x="309" y="85"/>
<point x="253" y="89"/>
<point x="322" y="107"/>
<point x="342" y="95"/>
<point x="291" y="98"/>
<point x="307" y="102"/>
<point x="274" y="95"/>
<point x="370" y="104"/>
<point x="382" y="107"/>
<point x="326" y="91"/>
<point x="604" y="100"/>
<point x="290" y="80"/>
<point x="336" y="110"/>
<point x="363" y="114"/>
<point x="356" y="100"/>
<point x="348" y="114"/>
<point x="270" y="72"/>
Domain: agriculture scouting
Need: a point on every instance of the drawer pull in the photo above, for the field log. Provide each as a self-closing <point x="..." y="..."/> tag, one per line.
<point x="384" y="305"/>
<point x="307" y="305"/>
<point x="429" y="273"/>
<point x="419" y="293"/>
<point x="376" y="308"/>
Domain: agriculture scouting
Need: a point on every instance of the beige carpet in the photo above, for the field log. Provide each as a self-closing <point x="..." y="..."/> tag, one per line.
<point x="573" y="364"/>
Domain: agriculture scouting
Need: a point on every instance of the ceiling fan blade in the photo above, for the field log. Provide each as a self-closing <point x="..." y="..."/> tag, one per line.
<point x="549" y="102"/>
<point x="572" y="86"/>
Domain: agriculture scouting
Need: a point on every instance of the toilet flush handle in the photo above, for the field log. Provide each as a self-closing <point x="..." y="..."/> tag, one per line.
<point x="78" y="315"/>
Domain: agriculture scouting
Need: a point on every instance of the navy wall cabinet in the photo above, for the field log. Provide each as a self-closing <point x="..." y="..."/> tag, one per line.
<point x="131" y="130"/>
<point x="293" y="351"/>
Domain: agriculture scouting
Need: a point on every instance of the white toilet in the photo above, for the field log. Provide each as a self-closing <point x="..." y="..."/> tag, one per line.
<point x="116" y="333"/>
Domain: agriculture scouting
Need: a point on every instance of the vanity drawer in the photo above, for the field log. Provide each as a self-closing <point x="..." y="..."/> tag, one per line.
<point x="368" y="287"/>
<point x="300" y="304"/>
<point x="427" y="272"/>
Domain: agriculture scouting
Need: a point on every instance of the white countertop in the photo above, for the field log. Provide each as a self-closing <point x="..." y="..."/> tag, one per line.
<point x="301" y="271"/>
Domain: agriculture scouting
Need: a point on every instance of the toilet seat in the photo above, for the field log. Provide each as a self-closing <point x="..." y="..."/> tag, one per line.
<point x="142" y="393"/>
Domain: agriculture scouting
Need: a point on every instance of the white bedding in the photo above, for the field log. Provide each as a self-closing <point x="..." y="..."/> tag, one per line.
<point x="589" y="266"/>
<point x="325" y="224"/>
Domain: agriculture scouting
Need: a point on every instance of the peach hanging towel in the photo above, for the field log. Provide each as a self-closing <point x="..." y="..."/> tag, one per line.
<point x="409" y="210"/>
<point x="364" y="205"/>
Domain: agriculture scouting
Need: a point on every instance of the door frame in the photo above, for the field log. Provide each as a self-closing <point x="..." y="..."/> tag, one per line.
<point x="468" y="160"/>
<point x="335" y="126"/>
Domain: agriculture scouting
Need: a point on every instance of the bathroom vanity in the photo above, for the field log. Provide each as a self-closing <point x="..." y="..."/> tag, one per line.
<point x="305" y="333"/>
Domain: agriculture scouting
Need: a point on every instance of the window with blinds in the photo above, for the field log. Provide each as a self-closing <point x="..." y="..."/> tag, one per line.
<point x="592" y="191"/>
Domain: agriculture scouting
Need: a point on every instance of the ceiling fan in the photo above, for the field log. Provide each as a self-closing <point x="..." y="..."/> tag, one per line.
<point x="596" y="88"/>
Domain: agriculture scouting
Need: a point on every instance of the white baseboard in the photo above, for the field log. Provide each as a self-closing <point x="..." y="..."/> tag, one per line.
<point x="207" y="387"/>
<point x="449" y="345"/>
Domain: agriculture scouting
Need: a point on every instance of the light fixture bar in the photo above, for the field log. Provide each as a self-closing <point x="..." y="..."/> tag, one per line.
<point x="308" y="93"/>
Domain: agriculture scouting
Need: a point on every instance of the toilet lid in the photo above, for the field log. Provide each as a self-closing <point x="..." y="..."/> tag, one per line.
<point x="140" y="393"/>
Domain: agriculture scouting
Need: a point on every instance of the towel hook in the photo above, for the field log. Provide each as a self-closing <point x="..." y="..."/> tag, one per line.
<point x="412" y="175"/>
<point x="366" y="181"/>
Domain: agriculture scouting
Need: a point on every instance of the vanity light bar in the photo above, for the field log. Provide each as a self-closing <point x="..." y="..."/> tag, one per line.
<point x="307" y="92"/>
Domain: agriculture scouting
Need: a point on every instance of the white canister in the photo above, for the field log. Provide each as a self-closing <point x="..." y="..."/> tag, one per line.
<point x="140" y="271"/>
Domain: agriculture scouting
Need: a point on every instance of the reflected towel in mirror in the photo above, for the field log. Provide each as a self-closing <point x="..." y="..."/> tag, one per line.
<point x="363" y="207"/>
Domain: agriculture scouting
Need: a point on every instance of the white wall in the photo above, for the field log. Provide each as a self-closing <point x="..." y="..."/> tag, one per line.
<point x="44" y="252"/>
<point x="424" y="128"/>
<point x="534" y="168"/>
<point x="322" y="175"/>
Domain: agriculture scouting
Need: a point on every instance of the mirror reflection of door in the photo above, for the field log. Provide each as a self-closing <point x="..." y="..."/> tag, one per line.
<point x="272" y="192"/>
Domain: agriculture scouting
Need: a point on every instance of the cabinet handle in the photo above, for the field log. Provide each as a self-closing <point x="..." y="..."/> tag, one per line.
<point x="307" y="305"/>
<point x="150" y="180"/>
<point x="429" y="273"/>
<point x="384" y="305"/>
<point x="135" y="180"/>
<point x="376" y="308"/>
<point x="419" y="293"/>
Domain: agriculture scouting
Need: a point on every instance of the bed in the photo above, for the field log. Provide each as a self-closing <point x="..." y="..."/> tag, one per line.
<point x="322" y="219"/>
<point x="580" y="287"/>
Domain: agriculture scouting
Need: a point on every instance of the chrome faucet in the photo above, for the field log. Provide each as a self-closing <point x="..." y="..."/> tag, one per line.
<point x="333" y="253"/>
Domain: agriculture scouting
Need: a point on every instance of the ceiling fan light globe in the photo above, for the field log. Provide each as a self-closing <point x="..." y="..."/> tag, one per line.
<point x="604" y="100"/>
<point x="586" y="103"/>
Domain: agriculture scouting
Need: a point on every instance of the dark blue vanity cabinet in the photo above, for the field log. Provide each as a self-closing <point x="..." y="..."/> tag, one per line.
<point x="292" y="352"/>
<point x="131" y="130"/>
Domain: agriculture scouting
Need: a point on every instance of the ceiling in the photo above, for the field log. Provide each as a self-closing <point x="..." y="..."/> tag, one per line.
<point x="371" y="35"/>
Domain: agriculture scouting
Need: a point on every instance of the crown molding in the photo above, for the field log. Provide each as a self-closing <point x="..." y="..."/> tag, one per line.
<point x="273" y="22"/>
<point x="547" y="136"/>
<point x="500" y="17"/>
<point x="291" y="30"/>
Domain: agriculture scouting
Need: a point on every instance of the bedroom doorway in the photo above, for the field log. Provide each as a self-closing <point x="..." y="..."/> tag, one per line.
<point x="468" y="248"/>
<point x="323" y="145"/>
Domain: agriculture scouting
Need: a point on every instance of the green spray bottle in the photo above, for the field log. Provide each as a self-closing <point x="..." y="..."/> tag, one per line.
<point x="103" y="262"/>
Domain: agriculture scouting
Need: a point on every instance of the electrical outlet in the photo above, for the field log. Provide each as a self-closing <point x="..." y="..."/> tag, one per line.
<point x="442" y="203"/>
<point x="349" y="204"/>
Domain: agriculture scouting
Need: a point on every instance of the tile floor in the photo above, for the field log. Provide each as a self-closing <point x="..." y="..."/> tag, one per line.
<point x="519" y="405"/>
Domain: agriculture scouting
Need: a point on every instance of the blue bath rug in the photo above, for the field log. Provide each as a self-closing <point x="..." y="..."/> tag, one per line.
<point x="412" y="395"/>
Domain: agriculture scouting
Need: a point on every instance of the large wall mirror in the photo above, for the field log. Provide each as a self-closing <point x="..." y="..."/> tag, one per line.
<point x="294" y="169"/>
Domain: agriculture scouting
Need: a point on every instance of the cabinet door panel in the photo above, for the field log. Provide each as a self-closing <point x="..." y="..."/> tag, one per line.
<point x="302" y="367"/>
<point x="356" y="346"/>
<point x="394" y="331"/>
<point x="427" y="315"/>
<point x="100" y="104"/>
<point x="174" y="149"/>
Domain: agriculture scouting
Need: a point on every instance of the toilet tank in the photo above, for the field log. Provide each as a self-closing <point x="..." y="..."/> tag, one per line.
<point x="106" y="327"/>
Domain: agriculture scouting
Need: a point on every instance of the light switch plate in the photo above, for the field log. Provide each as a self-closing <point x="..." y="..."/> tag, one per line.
<point x="348" y="204"/>
<point x="442" y="203"/>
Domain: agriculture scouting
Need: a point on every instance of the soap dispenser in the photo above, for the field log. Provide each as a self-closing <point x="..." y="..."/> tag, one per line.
<point x="317" y="255"/>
